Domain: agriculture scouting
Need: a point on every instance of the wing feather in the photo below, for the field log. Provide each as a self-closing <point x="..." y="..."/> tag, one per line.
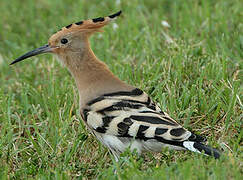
<point x="133" y="114"/>
<point x="118" y="118"/>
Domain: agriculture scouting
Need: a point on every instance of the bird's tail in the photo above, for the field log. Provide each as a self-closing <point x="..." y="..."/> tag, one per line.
<point x="200" y="148"/>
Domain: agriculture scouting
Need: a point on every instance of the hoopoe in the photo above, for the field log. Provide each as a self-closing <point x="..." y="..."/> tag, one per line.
<point x="118" y="114"/>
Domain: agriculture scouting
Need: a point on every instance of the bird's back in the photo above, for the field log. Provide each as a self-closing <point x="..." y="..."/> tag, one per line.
<point x="130" y="118"/>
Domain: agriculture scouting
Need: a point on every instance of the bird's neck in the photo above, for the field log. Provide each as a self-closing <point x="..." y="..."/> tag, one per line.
<point x="92" y="77"/>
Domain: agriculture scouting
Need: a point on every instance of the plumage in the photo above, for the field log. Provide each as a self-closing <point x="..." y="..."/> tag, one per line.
<point x="130" y="116"/>
<point x="118" y="114"/>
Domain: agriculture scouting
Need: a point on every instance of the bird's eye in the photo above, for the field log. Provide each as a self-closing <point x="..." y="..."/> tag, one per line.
<point x="64" y="41"/>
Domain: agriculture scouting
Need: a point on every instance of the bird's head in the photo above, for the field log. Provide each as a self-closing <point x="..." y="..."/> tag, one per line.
<point x="70" y="39"/>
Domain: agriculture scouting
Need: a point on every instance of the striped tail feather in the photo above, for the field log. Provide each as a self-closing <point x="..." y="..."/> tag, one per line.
<point x="200" y="148"/>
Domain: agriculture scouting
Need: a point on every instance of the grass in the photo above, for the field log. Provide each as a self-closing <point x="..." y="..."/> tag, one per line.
<point x="192" y="69"/>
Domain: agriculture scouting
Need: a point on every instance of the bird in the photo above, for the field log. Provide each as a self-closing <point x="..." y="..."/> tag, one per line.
<point x="119" y="115"/>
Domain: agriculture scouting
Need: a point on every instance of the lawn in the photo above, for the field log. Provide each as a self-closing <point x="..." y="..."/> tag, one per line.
<point x="193" y="69"/>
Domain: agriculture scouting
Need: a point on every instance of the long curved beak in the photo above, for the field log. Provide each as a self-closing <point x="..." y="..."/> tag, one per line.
<point x="43" y="49"/>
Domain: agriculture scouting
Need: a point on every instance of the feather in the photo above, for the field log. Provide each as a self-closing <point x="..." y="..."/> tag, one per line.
<point x="131" y="116"/>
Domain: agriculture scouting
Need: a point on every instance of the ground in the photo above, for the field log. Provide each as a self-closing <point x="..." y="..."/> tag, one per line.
<point x="193" y="69"/>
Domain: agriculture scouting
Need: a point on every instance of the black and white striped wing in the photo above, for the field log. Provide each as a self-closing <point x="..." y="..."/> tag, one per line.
<point x="133" y="114"/>
<point x="120" y="117"/>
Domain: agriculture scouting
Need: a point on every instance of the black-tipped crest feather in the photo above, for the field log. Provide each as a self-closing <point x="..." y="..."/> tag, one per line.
<point x="116" y="14"/>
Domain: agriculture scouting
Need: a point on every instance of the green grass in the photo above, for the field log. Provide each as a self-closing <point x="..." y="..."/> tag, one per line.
<point x="197" y="79"/>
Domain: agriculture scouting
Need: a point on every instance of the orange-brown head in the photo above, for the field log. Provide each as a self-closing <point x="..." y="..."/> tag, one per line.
<point x="72" y="38"/>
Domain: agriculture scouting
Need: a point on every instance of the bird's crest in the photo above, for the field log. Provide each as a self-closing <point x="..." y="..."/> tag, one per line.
<point x="90" y="25"/>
